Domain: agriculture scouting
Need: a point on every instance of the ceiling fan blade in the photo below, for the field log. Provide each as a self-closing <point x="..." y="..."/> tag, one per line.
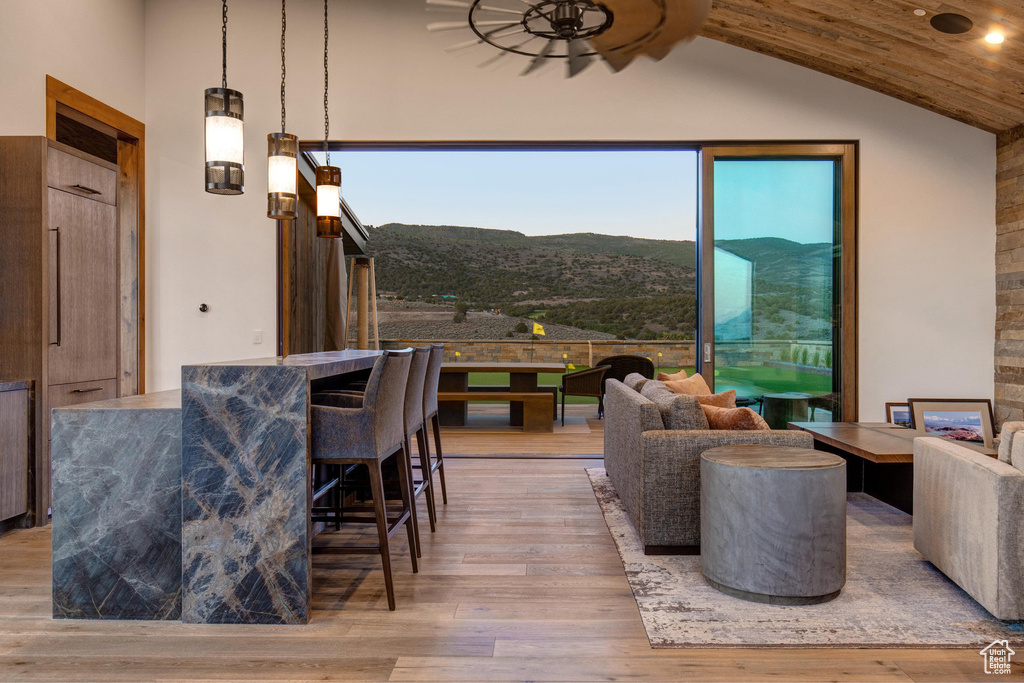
<point x="453" y="25"/>
<point x="502" y="53"/>
<point x="461" y="4"/>
<point x="683" y="23"/>
<point x="497" y="33"/>
<point x="538" y="61"/>
<point x="578" y="57"/>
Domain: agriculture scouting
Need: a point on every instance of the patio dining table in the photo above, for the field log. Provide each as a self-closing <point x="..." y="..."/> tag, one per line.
<point x="522" y="378"/>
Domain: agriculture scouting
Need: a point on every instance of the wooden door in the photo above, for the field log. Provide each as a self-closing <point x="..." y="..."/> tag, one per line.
<point x="83" y="289"/>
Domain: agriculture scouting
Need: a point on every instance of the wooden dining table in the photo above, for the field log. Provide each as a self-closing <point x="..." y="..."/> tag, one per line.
<point x="522" y="379"/>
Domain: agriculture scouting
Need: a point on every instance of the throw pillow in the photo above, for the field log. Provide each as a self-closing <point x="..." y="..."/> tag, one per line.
<point x="1006" y="439"/>
<point x="679" y="411"/>
<point x="695" y="386"/>
<point x="652" y="387"/>
<point x="725" y="399"/>
<point x="635" y="381"/>
<point x="673" y="377"/>
<point x="733" y="418"/>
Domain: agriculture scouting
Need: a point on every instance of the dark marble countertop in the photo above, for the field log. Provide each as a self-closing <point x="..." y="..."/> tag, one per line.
<point x="318" y="365"/>
<point x="15" y="385"/>
<point x="159" y="400"/>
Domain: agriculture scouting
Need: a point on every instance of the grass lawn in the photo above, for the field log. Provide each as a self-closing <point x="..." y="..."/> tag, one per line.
<point x="747" y="381"/>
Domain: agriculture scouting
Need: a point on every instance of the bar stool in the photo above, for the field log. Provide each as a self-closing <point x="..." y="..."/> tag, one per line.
<point x="368" y="429"/>
<point x="415" y="426"/>
<point x="430" y="415"/>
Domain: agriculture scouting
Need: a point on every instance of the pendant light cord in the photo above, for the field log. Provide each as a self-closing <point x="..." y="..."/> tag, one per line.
<point x="284" y="26"/>
<point x="224" y="44"/>
<point x="327" y="120"/>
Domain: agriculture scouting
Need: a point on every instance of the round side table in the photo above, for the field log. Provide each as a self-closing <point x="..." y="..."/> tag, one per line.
<point x="790" y="406"/>
<point x="773" y="523"/>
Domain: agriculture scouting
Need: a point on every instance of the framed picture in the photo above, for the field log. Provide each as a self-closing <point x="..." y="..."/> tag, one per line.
<point x="898" y="414"/>
<point x="959" y="419"/>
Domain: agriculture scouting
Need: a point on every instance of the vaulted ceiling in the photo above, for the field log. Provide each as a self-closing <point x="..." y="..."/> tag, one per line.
<point x="883" y="45"/>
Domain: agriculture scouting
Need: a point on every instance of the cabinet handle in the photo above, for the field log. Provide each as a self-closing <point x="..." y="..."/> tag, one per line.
<point x="86" y="391"/>
<point x="55" y="317"/>
<point x="83" y="188"/>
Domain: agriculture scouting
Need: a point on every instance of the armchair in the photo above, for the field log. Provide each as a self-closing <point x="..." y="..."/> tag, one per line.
<point x="588" y="382"/>
<point x="967" y="519"/>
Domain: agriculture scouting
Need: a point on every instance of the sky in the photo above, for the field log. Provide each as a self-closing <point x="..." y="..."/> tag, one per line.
<point x="789" y="199"/>
<point x="648" y="194"/>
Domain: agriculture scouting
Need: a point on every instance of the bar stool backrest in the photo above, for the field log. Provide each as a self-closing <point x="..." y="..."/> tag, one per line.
<point x="385" y="397"/>
<point x="414" y="389"/>
<point x="433" y="377"/>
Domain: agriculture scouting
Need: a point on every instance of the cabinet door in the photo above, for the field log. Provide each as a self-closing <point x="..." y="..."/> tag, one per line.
<point x="83" y="289"/>
<point x="14" y="452"/>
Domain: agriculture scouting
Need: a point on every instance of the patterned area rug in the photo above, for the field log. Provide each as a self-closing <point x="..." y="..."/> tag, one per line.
<point x="893" y="597"/>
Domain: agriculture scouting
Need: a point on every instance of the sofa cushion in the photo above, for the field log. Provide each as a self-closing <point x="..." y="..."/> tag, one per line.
<point x="695" y="386"/>
<point x="672" y="377"/>
<point x="1017" y="453"/>
<point x="651" y="387"/>
<point x="733" y="418"/>
<point x="724" y="399"/>
<point x="635" y="381"/>
<point x="1006" y="439"/>
<point x="678" y="411"/>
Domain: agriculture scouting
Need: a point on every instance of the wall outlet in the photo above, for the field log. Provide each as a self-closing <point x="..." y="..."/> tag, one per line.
<point x="257" y="336"/>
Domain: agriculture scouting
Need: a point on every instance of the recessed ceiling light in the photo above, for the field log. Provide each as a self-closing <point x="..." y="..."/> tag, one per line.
<point x="994" y="38"/>
<point x="920" y="12"/>
<point x="949" y="22"/>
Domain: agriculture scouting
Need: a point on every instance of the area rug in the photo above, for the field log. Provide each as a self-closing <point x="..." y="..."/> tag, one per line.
<point x="893" y="597"/>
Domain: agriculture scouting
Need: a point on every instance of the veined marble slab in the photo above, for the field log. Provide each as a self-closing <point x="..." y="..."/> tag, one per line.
<point x="245" y="486"/>
<point x="116" y="508"/>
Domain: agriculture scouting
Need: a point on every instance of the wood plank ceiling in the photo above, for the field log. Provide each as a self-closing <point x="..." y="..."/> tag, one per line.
<point x="884" y="46"/>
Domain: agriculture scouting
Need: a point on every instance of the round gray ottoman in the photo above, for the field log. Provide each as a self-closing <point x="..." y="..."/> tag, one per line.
<point x="773" y="523"/>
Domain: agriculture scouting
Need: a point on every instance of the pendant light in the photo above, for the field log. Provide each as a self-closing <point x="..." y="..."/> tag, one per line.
<point x="328" y="178"/>
<point x="282" y="153"/>
<point x="225" y="172"/>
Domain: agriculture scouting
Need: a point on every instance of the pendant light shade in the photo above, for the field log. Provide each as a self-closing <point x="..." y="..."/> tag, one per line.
<point x="282" y="153"/>
<point x="225" y="169"/>
<point x="282" y="196"/>
<point x="328" y="201"/>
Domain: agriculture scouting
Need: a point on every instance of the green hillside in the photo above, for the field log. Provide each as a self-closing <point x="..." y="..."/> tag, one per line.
<point x="630" y="287"/>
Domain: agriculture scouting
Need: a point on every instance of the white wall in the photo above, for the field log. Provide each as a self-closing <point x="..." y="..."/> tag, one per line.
<point x="95" y="46"/>
<point x="927" y="184"/>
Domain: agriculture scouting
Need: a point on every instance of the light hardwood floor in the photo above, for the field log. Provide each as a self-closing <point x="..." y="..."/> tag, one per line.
<point x="521" y="581"/>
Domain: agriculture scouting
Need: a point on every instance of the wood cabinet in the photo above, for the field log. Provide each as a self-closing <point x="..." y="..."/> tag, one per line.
<point x="60" y="305"/>
<point x="15" y="431"/>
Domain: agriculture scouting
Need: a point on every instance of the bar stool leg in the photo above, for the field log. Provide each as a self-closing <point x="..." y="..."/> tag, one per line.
<point x="406" y="483"/>
<point x="406" y="463"/>
<point x="440" y="456"/>
<point x="424" y="451"/>
<point x="380" y="510"/>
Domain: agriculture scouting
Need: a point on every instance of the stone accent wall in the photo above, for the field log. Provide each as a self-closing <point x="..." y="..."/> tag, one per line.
<point x="1009" y="348"/>
<point x="673" y="353"/>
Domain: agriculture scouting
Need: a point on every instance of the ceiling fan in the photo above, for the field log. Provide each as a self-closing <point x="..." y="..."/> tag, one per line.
<point x="617" y="31"/>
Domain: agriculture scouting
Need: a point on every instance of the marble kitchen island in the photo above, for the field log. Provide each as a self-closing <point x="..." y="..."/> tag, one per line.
<point x="236" y="548"/>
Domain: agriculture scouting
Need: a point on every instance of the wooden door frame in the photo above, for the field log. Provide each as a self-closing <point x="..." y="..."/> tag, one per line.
<point x="131" y="190"/>
<point x="846" y="154"/>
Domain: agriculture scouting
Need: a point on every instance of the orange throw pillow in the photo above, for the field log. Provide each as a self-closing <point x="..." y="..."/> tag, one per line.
<point x="694" y="386"/>
<point x="674" y="377"/>
<point x="733" y="418"/>
<point x="725" y="399"/>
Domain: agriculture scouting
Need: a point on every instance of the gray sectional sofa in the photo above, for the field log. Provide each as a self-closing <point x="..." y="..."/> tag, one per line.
<point x="656" y="470"/>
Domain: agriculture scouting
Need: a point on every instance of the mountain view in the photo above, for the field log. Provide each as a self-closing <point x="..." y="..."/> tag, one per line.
<point x="610" y="286"/>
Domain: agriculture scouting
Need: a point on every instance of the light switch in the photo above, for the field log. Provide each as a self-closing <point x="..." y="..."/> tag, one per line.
<point x="257" y="336"/>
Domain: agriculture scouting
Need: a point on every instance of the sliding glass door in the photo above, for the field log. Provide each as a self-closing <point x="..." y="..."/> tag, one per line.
<point x="776" y="302"/>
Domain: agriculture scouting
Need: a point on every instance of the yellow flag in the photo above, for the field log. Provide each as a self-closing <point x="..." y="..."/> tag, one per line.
<point x="538" y="329"/>
<point x="571" y="366"/>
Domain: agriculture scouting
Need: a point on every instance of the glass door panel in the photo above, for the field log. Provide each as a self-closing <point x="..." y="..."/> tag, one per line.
<point x="777" y="264"/>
